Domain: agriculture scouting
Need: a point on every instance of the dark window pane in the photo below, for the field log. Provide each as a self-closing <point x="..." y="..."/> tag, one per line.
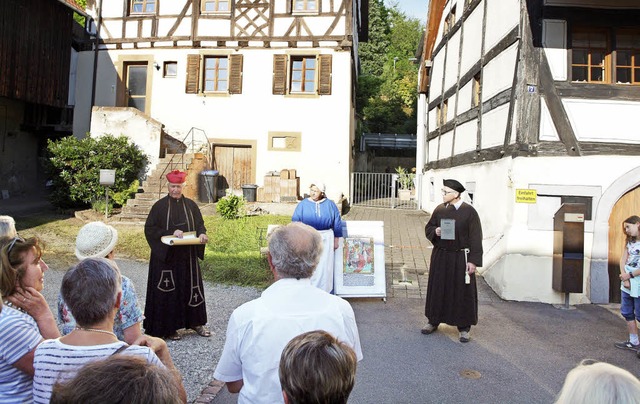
<point x="137" y="103"/>
<point x="636" y="75"/>
<point x="597" y="58"/>
<point x="580" y="40"/>
<point x="625" y="40"/>
<point x="579" y="73"/>
<point x="579" y="57"/>
<point x="598" y="40"/>
<point x="623" y="58"/>
<point x="137" y="80"/>
<point x="636" y="59"/>
<point x="597" y="74"/>
<point x="623" y="75"/>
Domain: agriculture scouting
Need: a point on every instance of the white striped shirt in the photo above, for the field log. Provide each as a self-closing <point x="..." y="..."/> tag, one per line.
<point x="55" y="361"/>
<point x="19" y="335"/>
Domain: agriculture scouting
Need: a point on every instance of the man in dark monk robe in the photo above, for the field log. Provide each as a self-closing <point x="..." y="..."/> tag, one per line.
<point x="456" y="234"/>
<point x="175" y="295"/>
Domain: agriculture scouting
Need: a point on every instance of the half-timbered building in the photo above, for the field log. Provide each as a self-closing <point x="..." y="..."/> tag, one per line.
<point x="38" y="43"/>
<point x="533" y="104"/>
<point x="270" y="82"/>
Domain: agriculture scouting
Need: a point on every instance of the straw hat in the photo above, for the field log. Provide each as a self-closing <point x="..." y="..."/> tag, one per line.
<point x="95" y="240"/>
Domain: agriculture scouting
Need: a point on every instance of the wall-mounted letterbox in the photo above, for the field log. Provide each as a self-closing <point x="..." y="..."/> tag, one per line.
<point x="568" y="248"/>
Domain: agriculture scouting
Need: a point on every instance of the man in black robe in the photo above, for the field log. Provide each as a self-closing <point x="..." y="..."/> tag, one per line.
<point x="456" y="234"/>
<point x="175" y="294"/>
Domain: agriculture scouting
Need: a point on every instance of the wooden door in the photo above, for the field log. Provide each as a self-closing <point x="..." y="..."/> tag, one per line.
<point x="136" y="85"/>
<point x="234" y="167"/>
<point x="627" y="205"/>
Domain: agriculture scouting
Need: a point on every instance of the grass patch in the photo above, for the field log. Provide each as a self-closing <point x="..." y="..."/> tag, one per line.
<point x="232" y="255"/>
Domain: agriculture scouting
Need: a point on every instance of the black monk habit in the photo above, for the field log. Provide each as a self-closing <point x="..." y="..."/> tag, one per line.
<point x="175" y="295"/>
<point x="449" y="299"/>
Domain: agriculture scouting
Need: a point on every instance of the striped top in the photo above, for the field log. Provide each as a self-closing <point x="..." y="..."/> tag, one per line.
<point x="55" y="361"/>
<point x="19" y="336"/>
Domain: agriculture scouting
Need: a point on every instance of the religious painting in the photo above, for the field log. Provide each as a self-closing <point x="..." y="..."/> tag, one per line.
<point x="358" y="255"/>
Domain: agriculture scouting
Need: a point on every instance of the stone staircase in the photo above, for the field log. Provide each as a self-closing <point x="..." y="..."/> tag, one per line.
<point x="155" y="186"/>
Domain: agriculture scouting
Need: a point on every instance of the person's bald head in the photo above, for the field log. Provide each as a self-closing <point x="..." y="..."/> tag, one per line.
<point x="295" y="250"/>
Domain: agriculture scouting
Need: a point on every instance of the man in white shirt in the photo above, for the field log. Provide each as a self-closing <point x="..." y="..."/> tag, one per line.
<point x="259" y="330"/>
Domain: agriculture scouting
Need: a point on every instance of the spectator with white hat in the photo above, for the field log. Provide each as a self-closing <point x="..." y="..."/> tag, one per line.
<point x="98" y="240"/>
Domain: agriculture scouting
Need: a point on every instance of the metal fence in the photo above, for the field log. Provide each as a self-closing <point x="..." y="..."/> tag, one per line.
<point x="380" y="190"/>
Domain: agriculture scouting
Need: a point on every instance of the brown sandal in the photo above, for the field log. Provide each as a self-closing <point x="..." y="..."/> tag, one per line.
<point x="202" y="331"/>
<point x="175" y="336"/>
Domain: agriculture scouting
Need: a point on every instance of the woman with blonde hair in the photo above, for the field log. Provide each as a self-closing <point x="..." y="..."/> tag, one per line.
<point x="599" y="383"/>
<point x="25" y="319"/>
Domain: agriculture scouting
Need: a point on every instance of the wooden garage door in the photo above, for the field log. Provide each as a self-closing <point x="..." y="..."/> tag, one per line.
<point x="234" y="166"/>
<point x="626" y="206"/>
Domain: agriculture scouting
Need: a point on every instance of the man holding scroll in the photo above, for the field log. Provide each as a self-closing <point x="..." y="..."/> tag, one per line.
<point x="175" y="295"/>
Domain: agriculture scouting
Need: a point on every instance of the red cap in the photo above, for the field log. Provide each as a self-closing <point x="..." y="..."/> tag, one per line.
<point x="177" y="177"/>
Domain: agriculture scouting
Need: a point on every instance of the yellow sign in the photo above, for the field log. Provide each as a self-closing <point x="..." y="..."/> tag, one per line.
<point x="526" y="195"/>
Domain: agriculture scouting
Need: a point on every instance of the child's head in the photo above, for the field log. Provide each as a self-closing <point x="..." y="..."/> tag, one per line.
<point x="631" y="227"/>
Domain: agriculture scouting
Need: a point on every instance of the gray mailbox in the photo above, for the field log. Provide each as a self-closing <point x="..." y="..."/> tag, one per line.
<point x="568" y="248"/>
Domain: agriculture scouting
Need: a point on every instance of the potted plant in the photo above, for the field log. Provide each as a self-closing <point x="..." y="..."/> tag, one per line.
<point x="405" y="181"/>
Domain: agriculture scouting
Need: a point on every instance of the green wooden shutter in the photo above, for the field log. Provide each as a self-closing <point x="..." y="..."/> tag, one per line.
<point x="324" y="83"/>
<point x="235" y="74"/>
<point x="279" y="74"/>
<point x="193" y="74"/>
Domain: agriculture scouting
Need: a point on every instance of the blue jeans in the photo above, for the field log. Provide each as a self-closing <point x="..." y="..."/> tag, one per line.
<point x="629" y="306"/>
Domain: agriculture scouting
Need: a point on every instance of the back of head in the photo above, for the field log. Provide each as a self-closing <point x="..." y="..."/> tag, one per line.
<point x="95" y="240"/>
<point x="7" y="226"/>
<point x="119" y="379"/>
<point x="599" y="383"/>
<point x="316" y="368"/>
<point x="90" y="289"/>
<point x="295" y="250"/>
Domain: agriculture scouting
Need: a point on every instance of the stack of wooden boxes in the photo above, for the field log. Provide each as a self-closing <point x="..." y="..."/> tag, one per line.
<point x="280" y="187"/>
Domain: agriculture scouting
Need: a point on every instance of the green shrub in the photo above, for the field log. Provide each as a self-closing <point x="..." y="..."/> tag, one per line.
<point x="98" y="206"/>
<point x="231" y="206"/>
<point x="74" y="167"/>
<point x="121" y="198"/>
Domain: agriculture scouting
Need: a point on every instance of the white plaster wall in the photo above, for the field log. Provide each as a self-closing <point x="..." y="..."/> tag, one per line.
<point x="451" y="73"/>
<point x="472" y="43"/>
<point x="494" y="126"/>
<point x="206" y="27"/>
<point x="604" y="120"/>
<point x="498" y="74"/>
<point x="517" y="258"/>
<point x="324" y="121"/>
<point x="184" y="29"/>
<point x="466" y="136"/>
<point x="432" y="150"/>
<point x="502" y="16"/>
<point x="465" y="95"/>
<point x="548" y="130"/>
<point x="446" y="143"/>
<point x="554" y="42"/>
<point x="437" y="70"/>
<point x="432" y="120"/>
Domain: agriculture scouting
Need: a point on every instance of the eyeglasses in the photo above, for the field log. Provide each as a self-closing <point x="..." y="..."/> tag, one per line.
<point x="445" y="192"/>
<point x="13" y="242"/>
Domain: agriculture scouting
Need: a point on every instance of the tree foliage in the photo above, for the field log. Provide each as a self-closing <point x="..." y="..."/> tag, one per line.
<point x="74" y="167"/>
<point x="387" y="87"/>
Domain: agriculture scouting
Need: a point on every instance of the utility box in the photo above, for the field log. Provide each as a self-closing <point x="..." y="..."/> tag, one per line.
<point x="568" y="248"/>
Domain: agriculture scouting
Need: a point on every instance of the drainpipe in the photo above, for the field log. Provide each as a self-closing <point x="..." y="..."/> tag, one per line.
<point x="95" y="57"/>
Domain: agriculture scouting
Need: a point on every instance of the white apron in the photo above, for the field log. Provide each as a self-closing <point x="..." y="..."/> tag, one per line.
<point x="323" y="275"/>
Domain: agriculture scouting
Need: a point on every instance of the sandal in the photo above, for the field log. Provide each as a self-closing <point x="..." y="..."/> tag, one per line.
<point x="202" y="331"/>
<point x="175" y="336"/>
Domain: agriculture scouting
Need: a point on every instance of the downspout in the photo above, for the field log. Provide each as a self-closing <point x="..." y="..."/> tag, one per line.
<point x="95" y="57"/>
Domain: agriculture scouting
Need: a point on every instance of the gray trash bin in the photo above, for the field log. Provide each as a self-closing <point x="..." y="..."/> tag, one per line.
<point x="249" y="192"/>
<point x="208" y="186"/>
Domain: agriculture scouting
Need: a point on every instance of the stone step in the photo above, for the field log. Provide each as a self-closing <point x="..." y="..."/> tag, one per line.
<point x="142" y="196"/>
<point x="141" y="202"/>
<point x="138" y="211"/>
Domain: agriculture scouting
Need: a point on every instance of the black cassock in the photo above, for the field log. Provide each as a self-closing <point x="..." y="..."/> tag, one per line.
<point x="449" y="299"/>
<point x="175" y="295"/>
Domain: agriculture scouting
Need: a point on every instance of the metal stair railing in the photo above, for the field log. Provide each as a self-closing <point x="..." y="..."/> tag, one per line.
<point x="197" y="141"/>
